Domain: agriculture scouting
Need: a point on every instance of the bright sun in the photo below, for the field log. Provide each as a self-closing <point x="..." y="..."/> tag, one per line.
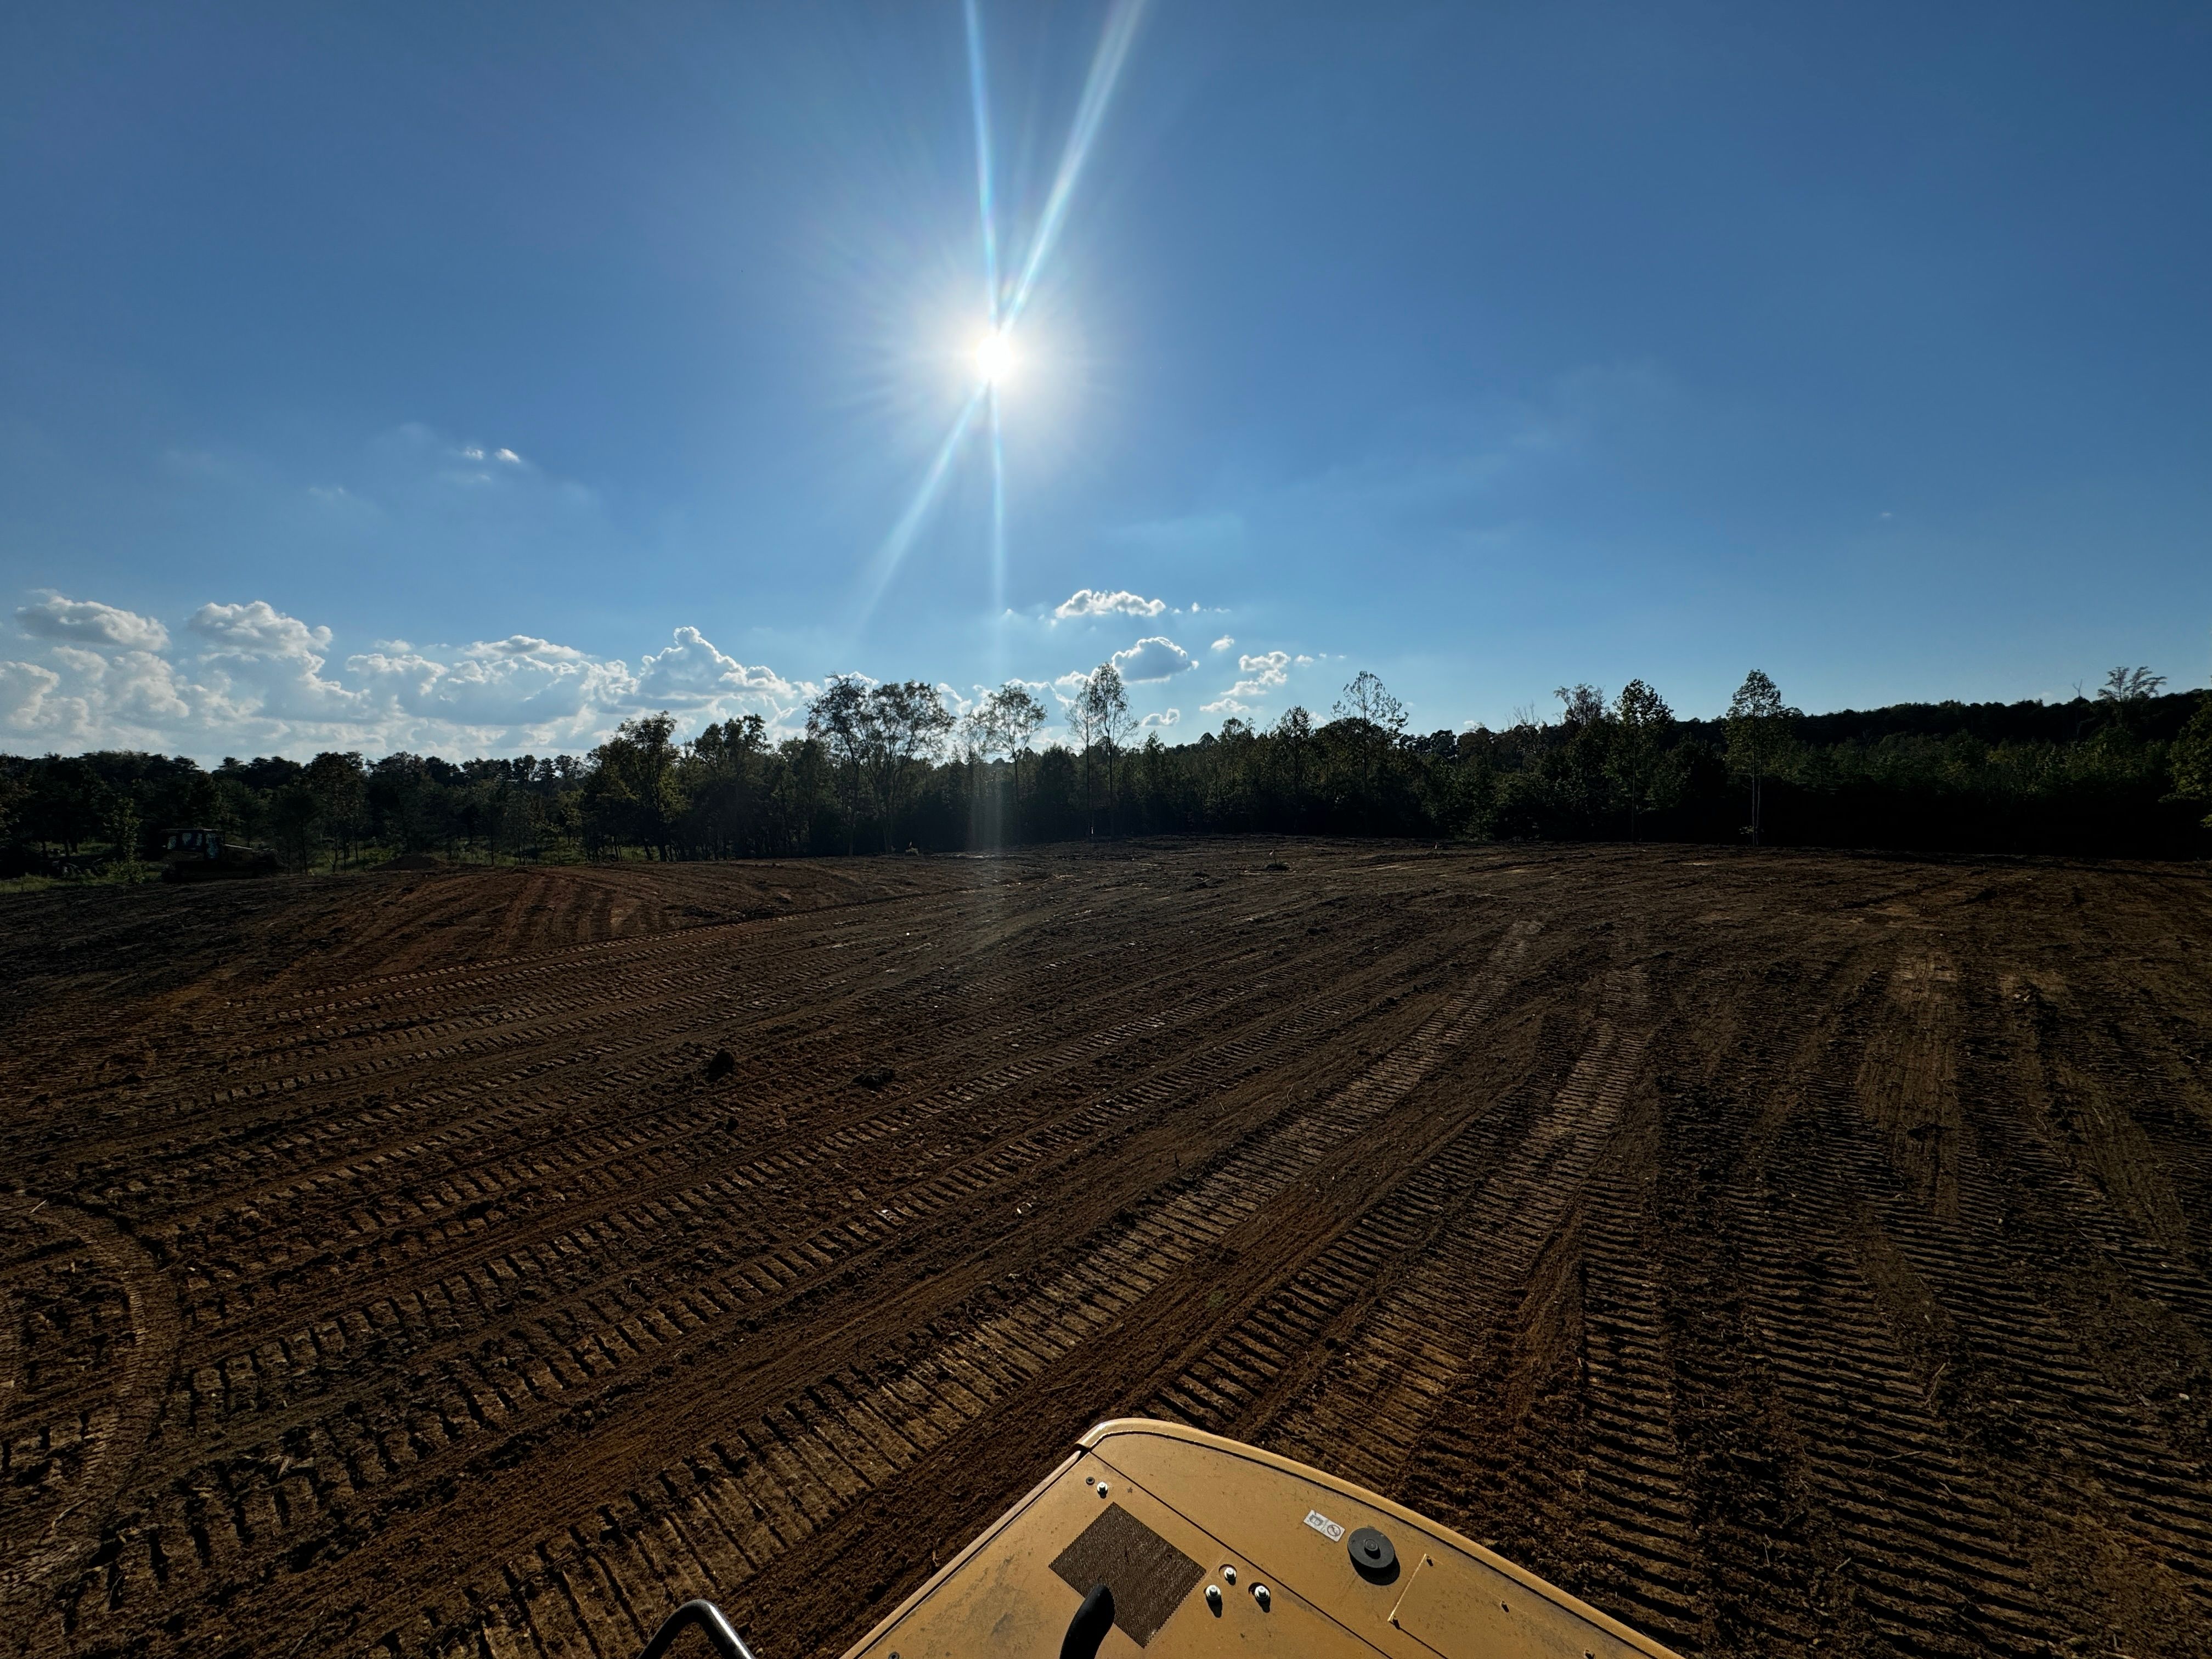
<point x="994" y="358"/>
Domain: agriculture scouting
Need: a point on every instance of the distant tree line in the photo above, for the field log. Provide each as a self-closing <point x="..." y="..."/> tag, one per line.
<point x="889" y="767"/>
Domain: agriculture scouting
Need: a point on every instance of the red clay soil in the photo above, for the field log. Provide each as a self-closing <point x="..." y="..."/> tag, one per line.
<point x="1784" y="1252"/>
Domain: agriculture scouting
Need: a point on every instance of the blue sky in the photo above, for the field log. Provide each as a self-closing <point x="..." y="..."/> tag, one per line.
<point x="467" y="377"/>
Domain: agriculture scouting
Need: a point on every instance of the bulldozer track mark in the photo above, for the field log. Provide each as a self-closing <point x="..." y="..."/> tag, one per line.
<point x="808" y="1445"/>
<point x="469" y="1398"/>
<point x="78" y="1444"/>
<point x="1372" y="1407"/>
<point x="1925" y="1542"/>
<point x="1782" y="1251"/>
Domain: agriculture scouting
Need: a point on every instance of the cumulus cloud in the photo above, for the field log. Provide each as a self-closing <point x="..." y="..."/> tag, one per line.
<point x="261" y="664"/>
<point x="1224" y="643"/>
<point x="1164" y="719"/>
<point x="514" y="645"/>
<point x="1263" y="672"/>
<point x="27" y="697"/>
<point x="1260" y="675"/>
<point x="87" y="621"/>
<point x="691" y="672"/>
<point x="491" y="690"/>
<point x="248" y="677"/>
<point x="1154" y="658"/>
<point x="1084" y="602"/>
<point x="257" y="629"/>
<point x="137" y="687"/>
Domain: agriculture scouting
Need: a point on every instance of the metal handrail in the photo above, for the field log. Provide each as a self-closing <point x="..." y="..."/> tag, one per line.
<point x="708" y="1618"/>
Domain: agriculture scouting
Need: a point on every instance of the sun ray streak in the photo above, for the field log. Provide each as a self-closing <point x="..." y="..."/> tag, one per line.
<point x="893" y="549"/>
<point x="1090" y="114"/>
<point x="997" y="511"/>
<point x="1003" y="308"/>
<point x="979" y="96"/>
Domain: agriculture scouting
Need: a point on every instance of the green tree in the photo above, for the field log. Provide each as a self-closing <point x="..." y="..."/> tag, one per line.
<point x="338" y="783"/>
<point x="516" y="817"/>
<point x="630" y="792"/>
<point x="14" y="791"/>
<point x="1378" y="720"/>
<point x="1015" y="718"/>
<point x="293" y="812"/>
<point x="1293" y="733"/>
<point x="907" y="724"/>
<point x="398" y="801"/>
<point x="2190" y="759"/>
<point x="1099" y="717"/>
<point x="1580" y="706"/>
<point x="1002" y="722"/>
<point x="1758" y="727"/>
<point x="2126" y="693"/>
<point x="124" y="825"/>
<point x="721" y="775"/>
<point x="1637" y="759"/>
<point x="842" y="720"/>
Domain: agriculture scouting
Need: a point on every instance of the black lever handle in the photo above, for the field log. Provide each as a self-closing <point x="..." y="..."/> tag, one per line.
<point x="1089" y="1626"/>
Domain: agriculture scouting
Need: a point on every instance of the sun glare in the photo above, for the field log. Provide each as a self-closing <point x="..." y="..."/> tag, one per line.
<point x="994" y="358"/>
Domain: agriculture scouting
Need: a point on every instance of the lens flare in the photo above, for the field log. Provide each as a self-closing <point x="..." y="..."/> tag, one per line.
<point x="1008" y="286"/>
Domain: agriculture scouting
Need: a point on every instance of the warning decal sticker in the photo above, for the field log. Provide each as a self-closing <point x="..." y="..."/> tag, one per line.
<point x="1327" y="1528"/>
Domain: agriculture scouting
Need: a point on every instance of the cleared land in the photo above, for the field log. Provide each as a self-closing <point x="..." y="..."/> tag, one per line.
<point x="1780" y="1251"/>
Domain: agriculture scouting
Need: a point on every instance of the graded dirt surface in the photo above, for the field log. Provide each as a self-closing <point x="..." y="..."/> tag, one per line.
<point x="1785" y="1252"/>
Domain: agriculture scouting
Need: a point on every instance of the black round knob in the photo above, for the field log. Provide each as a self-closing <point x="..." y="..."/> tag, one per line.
<point x="1371" y="1553"/>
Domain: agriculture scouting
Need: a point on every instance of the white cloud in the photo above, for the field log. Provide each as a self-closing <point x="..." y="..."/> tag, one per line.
<point x="1164" y="719"/>
<point x="249" y="679"/>
<point x="264" y="665"/>
<point x="87" y="621"/>
<point x="493" y="690"/>
<point x="26" y="699"/>
<point x="1270" y="668"/>
<point x="1084" y="602"/>
<point x="506" y="455"/>
<point x="1261" y="675"/>
<point x="257" y="629"/>
<point x="524" y="645"/>
<point x="1222" y="643"/>
<point x="1154" y="658"/>
<point x="691" y="672"/>
<point x="136" y="687"/>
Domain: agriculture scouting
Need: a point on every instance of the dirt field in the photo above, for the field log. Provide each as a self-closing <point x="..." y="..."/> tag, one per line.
<point x="1784" y="1252"/>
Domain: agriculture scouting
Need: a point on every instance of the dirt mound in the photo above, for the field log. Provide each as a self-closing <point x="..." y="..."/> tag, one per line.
<point x="1786" y="1252"/>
